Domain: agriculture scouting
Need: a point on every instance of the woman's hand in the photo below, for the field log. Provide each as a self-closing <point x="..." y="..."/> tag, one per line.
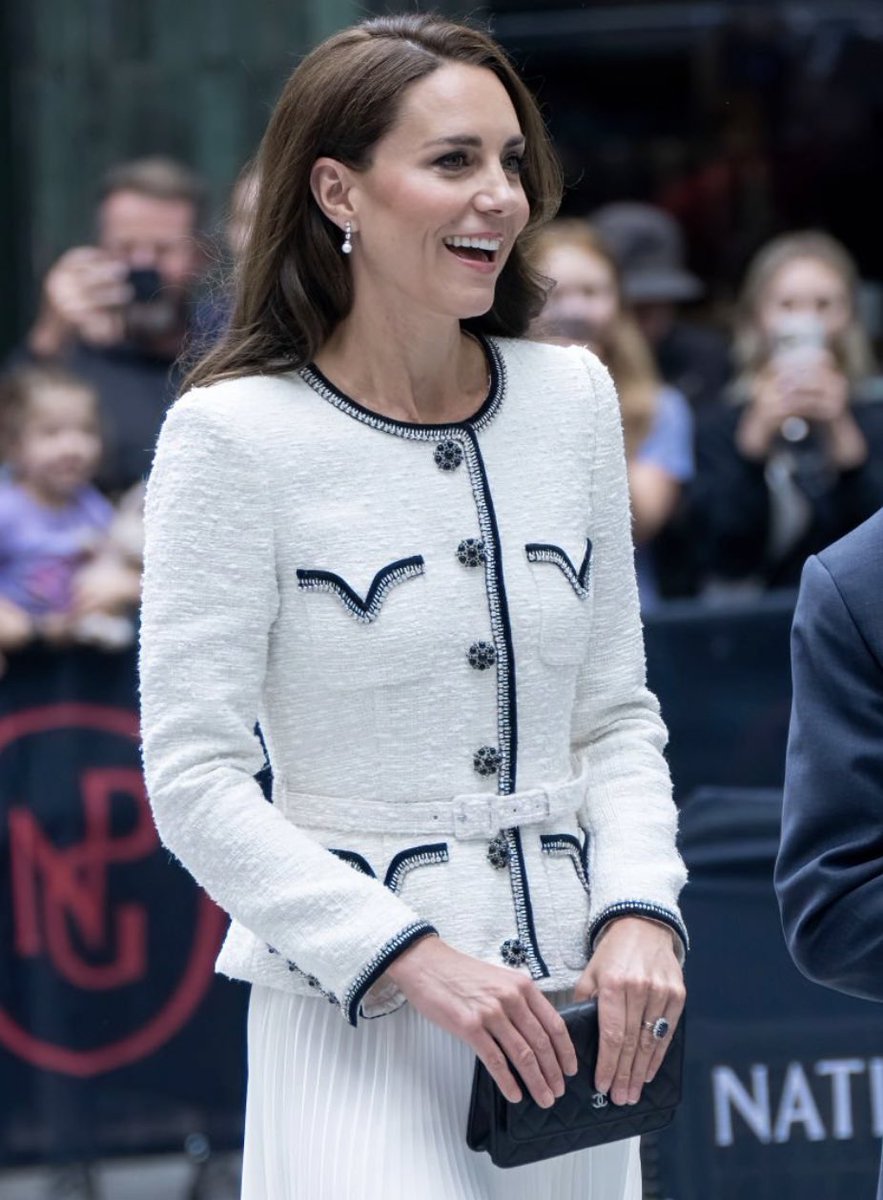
<point x="499" y="1012"/>
<point x="636" y="977"/>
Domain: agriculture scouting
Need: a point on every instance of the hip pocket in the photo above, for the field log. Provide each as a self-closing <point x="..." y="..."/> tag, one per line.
<point x="565" y="860"/>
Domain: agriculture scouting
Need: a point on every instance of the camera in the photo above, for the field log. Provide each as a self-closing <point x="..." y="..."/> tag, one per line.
<point x="146" y="284"/>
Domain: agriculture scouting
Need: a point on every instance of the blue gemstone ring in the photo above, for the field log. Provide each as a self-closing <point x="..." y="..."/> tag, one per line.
<point x="659" y="1028"/>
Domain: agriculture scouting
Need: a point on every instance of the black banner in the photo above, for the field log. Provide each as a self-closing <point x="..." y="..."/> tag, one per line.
<point x="784" y="1079"/>
<point x="115" y="1034"/>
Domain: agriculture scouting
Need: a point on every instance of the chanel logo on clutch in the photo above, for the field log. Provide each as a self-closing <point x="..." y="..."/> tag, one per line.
<point x="599" y="1100"/>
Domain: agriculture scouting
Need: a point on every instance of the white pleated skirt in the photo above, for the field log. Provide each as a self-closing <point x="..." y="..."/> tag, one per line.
<point x="379" y="1113"/>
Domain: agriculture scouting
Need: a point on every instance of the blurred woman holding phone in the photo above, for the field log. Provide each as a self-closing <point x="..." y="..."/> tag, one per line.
<point x="796" y="459"/>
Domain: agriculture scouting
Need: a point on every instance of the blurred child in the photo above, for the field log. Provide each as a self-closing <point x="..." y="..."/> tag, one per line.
<point x="62" y="579"/>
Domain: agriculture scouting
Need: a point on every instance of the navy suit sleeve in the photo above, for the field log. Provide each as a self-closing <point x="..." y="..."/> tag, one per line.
<point x="829" y="874"/>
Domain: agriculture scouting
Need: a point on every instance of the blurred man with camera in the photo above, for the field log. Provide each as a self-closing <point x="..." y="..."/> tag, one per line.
<point x="118" y="313"/>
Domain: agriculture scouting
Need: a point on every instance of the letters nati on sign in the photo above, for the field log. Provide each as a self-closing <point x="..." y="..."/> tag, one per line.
<point x="831" y="1084"/>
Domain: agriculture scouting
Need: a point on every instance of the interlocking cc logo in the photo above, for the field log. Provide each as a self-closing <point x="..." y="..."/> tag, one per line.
<point x="77" y="835"/>
<point x="599" y="1100"/>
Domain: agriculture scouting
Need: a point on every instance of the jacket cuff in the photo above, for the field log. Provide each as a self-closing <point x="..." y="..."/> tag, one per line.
<point x="640" y="908"/>
<point x="376" y="966"/>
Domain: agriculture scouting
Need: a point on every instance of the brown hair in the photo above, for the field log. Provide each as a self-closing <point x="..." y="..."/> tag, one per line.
<point x="851" y="348"/>
<point x="160" y="178"/>
<point x="625" y="351"/>
<point x="293" y="286"/>
<point x="18" y="388"/>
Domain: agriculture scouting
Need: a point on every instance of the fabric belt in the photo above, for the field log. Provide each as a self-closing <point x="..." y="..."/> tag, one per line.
<point x="478" y="815"/>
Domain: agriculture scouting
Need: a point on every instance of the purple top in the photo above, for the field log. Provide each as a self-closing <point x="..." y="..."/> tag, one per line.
<point x="41" y="548"/>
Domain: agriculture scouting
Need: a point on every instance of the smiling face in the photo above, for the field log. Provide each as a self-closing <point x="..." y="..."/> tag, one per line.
<point x="437" y="212"/>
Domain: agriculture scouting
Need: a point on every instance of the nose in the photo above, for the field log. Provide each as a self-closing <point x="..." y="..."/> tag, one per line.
<point x="498" y="192"/>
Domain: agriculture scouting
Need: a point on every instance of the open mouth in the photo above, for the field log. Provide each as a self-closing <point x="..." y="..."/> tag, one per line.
<point x="474" y="249"/>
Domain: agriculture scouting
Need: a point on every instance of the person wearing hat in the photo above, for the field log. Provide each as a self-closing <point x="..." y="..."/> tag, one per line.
<point x="648" y="246"/>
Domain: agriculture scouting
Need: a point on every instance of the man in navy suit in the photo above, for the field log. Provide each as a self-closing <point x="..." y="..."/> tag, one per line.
<point x="829" y="874"/>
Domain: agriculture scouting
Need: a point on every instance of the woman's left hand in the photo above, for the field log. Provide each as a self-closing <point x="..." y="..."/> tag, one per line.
<point x="636" y="977"/>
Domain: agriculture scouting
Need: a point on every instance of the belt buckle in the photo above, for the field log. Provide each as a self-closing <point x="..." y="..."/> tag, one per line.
<point x="473" y="816"/>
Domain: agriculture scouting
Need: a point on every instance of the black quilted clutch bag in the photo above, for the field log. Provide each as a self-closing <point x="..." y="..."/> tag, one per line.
<point x="515" y="1134"/>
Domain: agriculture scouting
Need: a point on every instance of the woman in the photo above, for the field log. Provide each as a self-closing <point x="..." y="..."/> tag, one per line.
<point x="796" y="460"/>
<point x="585" y="305"/>
<point x="369" y="526"/>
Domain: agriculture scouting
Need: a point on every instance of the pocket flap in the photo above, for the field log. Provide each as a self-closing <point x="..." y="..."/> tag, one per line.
<point x="366" y="610"/>
<point x="547" y="552"/>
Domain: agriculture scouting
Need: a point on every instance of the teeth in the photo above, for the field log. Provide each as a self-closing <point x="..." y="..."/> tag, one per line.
<point x="474" y="243"/>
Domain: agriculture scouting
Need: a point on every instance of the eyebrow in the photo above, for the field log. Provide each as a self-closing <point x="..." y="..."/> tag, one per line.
<point x="470" y="139"/>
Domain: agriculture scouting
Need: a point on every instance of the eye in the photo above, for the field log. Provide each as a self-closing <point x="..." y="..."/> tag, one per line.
<point x="453" y="161"/>
<point x="514" y="163"/>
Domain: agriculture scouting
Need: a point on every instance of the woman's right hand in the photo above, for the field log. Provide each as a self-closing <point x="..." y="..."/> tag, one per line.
<point x="497" y="1011"/>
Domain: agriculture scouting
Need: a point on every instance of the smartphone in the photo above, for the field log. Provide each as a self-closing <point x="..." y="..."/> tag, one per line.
<point x="799" y="340"/>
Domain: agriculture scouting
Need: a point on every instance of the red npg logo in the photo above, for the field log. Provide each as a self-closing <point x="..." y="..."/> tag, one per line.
<point x="68" y="918"/>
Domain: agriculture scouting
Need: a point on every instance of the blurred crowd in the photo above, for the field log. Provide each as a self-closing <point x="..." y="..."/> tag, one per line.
<point x="752" y="441"/>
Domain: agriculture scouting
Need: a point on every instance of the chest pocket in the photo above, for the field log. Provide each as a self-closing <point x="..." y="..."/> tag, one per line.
<point x="370" y="638"/>
<point x="564" y="588"/>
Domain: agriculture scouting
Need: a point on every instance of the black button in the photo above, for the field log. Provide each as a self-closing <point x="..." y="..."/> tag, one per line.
<point x="448" y="455"/>
<point x="482" y="655"/>
<point x="513" y="953"/>
<point x="498" y="852"/>
<point x="486" y="761"/>
<point x="471" y="552"/>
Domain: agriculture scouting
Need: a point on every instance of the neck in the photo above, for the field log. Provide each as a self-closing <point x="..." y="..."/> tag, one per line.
<point x="420" y="369"/>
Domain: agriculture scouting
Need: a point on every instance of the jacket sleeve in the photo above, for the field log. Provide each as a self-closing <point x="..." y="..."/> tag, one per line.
<point x="829" y="873"/>
<point x="210" y="598"/>
<point x="617" y="735"/>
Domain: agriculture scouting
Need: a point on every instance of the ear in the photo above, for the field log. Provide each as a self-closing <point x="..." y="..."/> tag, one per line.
<point x="331" y="184"/>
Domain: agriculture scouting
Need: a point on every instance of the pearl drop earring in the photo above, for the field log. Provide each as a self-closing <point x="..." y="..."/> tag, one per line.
<point x="347" y="247"/>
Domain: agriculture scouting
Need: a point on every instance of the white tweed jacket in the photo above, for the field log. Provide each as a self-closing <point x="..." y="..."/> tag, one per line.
<point x="437" y="630"/>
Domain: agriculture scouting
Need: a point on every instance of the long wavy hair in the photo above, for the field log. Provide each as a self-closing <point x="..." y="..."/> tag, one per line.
<point x="851" y="347"/>
<point x="292" y="286"/>
<point x="625" y="351"/>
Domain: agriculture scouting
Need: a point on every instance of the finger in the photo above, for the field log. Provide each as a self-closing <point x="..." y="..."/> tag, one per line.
<point x="647" y="1043"/>
<point x="674" y="1011"/>
<point x="494" y="1059"/>
<point x="635" y="1003"/>
<point x="535" y="1034"/>
<point x="556" y="1031"/>
<point x="524" y="1059"/>
<point x="611" y="1031"/>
